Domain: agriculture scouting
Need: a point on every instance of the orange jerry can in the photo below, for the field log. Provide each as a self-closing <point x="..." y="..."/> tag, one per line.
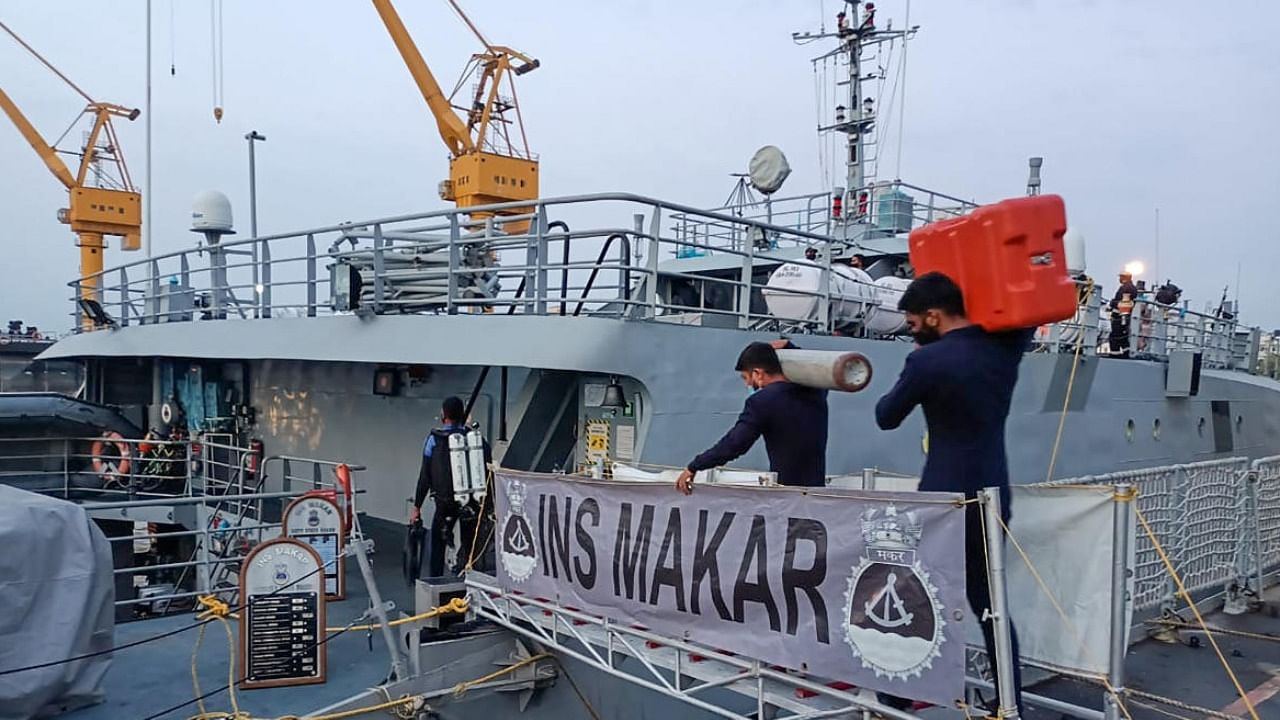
<point x="1007" y="259"/>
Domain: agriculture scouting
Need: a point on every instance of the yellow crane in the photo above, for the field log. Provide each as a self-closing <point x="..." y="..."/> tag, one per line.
<point x="486" y="166"/>
<point x="93" y="211"/>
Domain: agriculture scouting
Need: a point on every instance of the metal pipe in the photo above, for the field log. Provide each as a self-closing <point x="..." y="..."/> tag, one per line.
<point x="502" y="406"/>
<point x="361" y="547"/>
<point x="1122" y="502"/>
<point x="999" y="604"/>
<point x="1048" y="703"/>
<point x="564" y="268"/>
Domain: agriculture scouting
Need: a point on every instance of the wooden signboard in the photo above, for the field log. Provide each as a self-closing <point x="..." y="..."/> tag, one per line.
<point x="317" y="521"/>
<point x="282" y="626"/>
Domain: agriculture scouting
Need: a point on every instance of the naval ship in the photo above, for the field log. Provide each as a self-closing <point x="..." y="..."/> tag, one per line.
<point x="593" y="331"/>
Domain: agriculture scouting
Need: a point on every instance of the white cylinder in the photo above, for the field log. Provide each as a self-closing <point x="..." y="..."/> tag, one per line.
<point x="1073" y="248"/>
<point x="826" y="369"/>
<point x="886" y="318"/>
<point x="458" y="464"/>
<point x="794" y="291"/>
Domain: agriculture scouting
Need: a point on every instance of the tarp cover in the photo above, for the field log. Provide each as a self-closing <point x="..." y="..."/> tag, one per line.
<point x="56" y="597"/>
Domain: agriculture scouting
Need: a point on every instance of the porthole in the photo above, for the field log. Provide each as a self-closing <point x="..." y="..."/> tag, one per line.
<point x="1200" y="427"/>
<point x="1155" y="428"/>
<point x="1128" y="429"/>
<point x="1239" y="421"/>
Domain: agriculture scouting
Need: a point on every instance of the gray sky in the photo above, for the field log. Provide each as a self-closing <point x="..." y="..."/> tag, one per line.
<point x="1134" y="104"/>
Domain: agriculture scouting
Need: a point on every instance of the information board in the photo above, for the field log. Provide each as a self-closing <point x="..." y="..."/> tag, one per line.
<point x="282" y="628"/>
<point x="317" y="521"/>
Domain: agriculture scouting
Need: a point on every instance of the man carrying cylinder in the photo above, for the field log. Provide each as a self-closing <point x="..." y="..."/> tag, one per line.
<point x="454" y="473"/>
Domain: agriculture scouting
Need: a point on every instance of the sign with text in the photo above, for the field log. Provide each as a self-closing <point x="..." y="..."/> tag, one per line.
<point x="282" y="628"/>
<point x="317" y="521"/>
<point x="865" y="587"/>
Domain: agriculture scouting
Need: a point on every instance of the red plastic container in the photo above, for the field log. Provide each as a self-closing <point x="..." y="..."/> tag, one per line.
<point x="1008" y="260"/>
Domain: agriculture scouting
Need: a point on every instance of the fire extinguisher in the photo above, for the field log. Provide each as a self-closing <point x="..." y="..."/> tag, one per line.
<point x="837" y="206"/>
<point x="254" y="461"/>
<point x="862" y="204"/>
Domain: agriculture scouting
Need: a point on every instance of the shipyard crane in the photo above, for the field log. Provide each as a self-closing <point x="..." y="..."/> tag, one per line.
<point x="486" y="165"/>
<point x="93" y="211"/>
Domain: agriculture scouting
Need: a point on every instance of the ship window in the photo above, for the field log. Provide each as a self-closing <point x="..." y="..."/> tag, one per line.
<point x="1200" y="426"/>
<point x="521" y="183"/>
<point x="1239" y="421"/>
<point x="1128" y="430"/>
<point x="1155" y="428"/>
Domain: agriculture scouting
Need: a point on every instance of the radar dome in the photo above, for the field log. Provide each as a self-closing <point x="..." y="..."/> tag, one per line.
<point x="211" y="212"/>
<point x="768" y="169"/>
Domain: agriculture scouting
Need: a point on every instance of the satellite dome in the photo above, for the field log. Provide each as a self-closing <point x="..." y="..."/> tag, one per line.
<point x="211" y="212"/>
<point x="768" y="169"/>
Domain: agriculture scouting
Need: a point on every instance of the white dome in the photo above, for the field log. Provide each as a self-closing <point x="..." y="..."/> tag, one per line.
<point x="211" y="212"/>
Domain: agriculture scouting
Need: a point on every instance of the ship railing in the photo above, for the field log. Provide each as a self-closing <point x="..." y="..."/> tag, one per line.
<point x="563" y="258"/>
<point x="215" y="525"/>
<point x="882" y="209"/>
<point x="1217" y="520"/>
<point x="75" y="468"/>
<point x="553" y="261"/>
<point x="1155" y="331"/>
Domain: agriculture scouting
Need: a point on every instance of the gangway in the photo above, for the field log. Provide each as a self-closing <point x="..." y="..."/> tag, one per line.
<point x="682" y="670"/>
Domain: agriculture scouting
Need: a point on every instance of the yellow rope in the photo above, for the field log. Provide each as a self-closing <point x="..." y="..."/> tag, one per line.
<point x="488" y="488"/>
<point x="461" y="688"/>
<point x="215" y="610"/>
<point x="1071" y="381"/>
<point x="1075" y="632"/>
<point x="1182" y="589"/>
<point x="396" y="704"/>
<point x="456" y="605"/>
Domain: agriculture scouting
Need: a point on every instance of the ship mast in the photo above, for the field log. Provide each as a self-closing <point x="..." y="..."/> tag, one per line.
<point x="857" y="30"/>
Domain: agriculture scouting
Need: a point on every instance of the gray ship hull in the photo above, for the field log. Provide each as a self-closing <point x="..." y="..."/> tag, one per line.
<point x="312" y="382"/>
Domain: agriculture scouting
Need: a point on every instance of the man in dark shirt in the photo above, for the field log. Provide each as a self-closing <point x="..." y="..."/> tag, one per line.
<point x="963" y="377"/>
<point x="792" y="418"/>
<point x="435" y="478"/>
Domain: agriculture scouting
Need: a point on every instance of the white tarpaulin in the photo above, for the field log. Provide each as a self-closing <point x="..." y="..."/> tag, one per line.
<point x="1068" y="534"/>
<point x="56" y="597"/>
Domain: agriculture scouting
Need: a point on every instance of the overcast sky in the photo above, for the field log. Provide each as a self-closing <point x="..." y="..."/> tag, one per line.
<point x="1134" y="104"/>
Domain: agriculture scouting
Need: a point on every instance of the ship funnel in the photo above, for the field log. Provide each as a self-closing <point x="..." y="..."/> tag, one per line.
<point x="1033" y="180"/>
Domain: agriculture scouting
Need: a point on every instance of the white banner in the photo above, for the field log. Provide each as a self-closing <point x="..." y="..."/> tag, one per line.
<point x="1068" y="535"/>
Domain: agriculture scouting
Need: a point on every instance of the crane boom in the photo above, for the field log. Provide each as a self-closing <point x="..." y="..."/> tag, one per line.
<point x="37" y="143"/>
<point x="452" y="130"/>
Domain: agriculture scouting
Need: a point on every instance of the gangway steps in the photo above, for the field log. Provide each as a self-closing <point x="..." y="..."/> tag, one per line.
<point x="676" y="668"/>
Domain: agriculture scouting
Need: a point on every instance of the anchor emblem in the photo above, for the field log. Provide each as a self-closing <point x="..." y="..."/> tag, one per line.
<point x="891" y="604"/>
<point x="518" y="554"/>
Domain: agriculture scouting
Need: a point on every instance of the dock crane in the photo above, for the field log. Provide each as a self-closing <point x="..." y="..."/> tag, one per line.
<point x="93" y="211"/>
<point x="485" y="165"/>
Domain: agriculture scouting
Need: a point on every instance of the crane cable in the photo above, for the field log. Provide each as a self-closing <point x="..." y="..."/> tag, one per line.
<point x="216" y="54"/>
<point x="46" y="63"/>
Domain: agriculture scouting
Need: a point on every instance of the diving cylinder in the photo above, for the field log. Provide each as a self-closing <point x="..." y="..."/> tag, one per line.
<point x="475" y="460"/>
<point x="826" y="369"/>
<point x="458" y="463"/>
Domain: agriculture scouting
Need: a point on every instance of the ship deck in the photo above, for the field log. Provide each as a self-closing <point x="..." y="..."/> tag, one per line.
<point x="153" y="680"/>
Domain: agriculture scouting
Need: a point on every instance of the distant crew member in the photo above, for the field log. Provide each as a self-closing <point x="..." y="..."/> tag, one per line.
<point x="1121" y="310"/>
<point x="791" y="418"/>
<point x="858" y="261"/>
<point x="435" y="477"/>
<point x="868" y="19"/>
<point x="963" y="378"/>
<point x="811" y="254"/>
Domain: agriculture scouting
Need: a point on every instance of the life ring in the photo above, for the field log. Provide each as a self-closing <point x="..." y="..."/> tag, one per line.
<point x="108" y="468"/>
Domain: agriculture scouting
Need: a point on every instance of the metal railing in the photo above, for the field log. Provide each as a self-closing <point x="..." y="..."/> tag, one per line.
<point x="444" y="262"/>
<point x="1218" y="521"/>
<point x="73" y="467"/>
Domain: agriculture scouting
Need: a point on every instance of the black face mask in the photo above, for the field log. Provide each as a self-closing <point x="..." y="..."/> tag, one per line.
<point x="926" y="335"/>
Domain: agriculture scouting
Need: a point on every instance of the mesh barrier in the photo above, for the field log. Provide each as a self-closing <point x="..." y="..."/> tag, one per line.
<point x="1198" y="513"/>
<point x="1268" y="515"/>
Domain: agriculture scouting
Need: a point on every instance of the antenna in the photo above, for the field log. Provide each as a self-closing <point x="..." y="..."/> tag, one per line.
<point x="1157" y="263"/>
<point x="1033" y="180"/>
